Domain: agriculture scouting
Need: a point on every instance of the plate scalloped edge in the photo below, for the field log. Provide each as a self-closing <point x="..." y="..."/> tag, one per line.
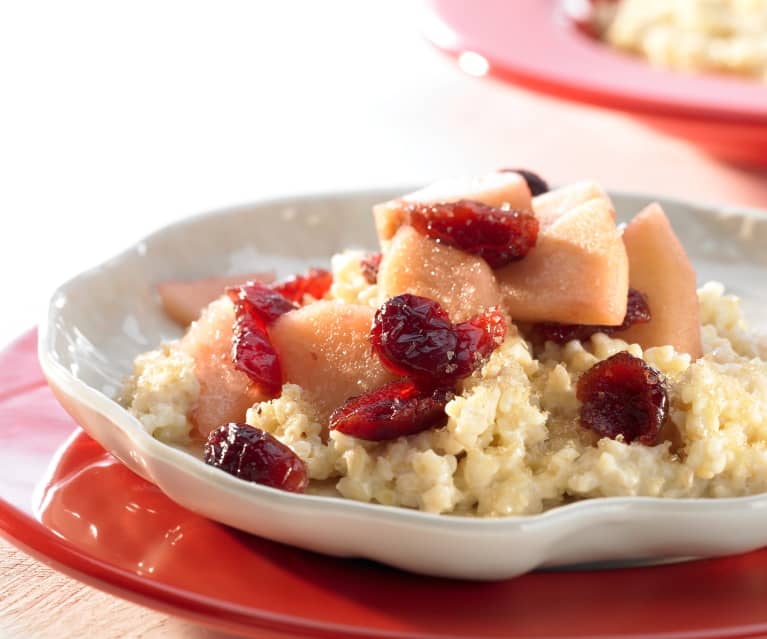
<point x="601" y="529"/>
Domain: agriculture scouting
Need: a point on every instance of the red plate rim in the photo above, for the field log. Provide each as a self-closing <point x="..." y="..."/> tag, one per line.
<point x="546" y="52"/>
<point x="42" y="544"/>
<point x="35" y="538"/>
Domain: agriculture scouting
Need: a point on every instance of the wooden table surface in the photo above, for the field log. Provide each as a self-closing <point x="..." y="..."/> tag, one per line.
<point x="165" y="109"/>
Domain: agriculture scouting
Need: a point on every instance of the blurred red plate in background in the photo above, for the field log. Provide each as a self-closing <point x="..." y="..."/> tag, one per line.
<point x="68" y="502"/>
<point x="535" y="43"/>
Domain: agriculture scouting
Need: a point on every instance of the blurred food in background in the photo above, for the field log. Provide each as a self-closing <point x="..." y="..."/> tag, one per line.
<point x="728" y="36"/>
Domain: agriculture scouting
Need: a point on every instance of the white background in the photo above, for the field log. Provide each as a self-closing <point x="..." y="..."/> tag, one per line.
<point x="118" y="117"/>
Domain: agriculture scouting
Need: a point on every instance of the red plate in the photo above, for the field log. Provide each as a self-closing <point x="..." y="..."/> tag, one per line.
<point x="69" y="503"/>
<point x="536" y="44"/>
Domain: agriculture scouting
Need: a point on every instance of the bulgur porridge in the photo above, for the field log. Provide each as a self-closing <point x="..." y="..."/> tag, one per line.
<point x="691" y="35"/>
<point x="326" y="388"/>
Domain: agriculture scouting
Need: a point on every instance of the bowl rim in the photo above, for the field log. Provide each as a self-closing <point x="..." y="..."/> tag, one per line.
<point x="62" y="378"/>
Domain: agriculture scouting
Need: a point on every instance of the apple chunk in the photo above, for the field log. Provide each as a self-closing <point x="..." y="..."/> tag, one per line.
<point x="183" y="301"/>
<point x="576" y="274"/>
<point x="324" y="348"/>
<point x="463" y="284"/>
<point x="550" y="206"/>
<point x="225" y="392"/>
<point x="660" y="268"/>
<point x="495" y="189"/>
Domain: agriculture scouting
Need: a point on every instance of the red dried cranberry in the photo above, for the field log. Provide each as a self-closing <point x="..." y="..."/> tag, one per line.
<point x="413" y="337"/>
<point x="259" y="301"/>
<point x="496" y="235"/>
<point x="256" y="305"/>
<point x="253" y="455"/>
<point x="563" y="333"/>
<point x="625" y="396"/>
<point x="637" y="312"/>
<point x="369" y="266"/>
<point x="478" y="338"/>
<point x="254" y="355"/>
<point x="397" y="409"/>
<point x="535" y="182"/>
<point x="316" y="282"/>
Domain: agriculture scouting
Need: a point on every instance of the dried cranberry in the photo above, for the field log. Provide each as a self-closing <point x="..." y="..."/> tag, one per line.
<point x="478" y="338"/>
<point x="254" y="355"/>
<point x="625" y="396"/>
<point x="369" y="266"/>
<point x="637" y="312"/>
<point x="535" y="182"/>
<point x="316" y="282"/>
<point x="259" y="301"/>
<point x="413" y="337"/>
<point x="253" y="455"/>
<point x="563" y="333"/>
<point x="397" y="409"/>
<point x="496" y="235"/>
<point x="256" y="305"/>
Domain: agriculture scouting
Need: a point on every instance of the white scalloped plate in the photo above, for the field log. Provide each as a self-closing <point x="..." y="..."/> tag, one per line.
<point x="100" y="320"/>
